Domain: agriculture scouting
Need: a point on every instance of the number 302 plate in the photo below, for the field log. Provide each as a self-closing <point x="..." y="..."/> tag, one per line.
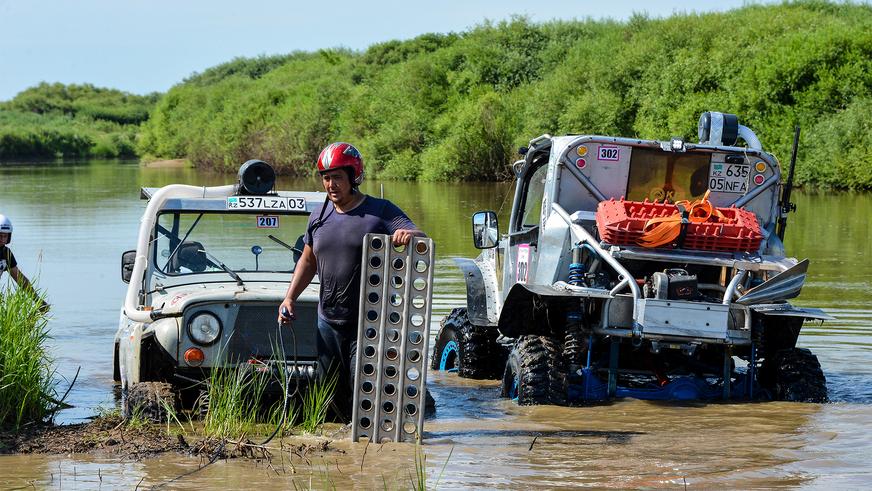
<point x="267" y="221"/>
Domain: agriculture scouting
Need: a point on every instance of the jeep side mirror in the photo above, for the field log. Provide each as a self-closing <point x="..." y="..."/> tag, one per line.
<point x="485" y="229"/>
<point x="127" y="260"/>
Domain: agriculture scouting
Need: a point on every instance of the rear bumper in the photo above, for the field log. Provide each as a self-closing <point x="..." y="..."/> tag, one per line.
<point x="685" y="322"/>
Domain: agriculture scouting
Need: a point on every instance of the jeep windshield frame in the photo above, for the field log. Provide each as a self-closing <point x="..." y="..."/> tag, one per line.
<point x="181" y="237"/>
<point x="584" y="194"/>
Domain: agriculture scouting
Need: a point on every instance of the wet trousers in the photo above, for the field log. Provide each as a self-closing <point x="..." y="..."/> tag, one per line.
<point x="337" y="348"/>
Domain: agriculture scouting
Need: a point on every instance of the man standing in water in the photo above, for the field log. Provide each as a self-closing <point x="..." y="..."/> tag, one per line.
<point x="333" y="249"/>
<point x="8" y="262"/>
<point x="7" y="259"/>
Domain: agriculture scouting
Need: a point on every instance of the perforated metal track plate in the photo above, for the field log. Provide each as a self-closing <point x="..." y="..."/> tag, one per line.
<point x="390" y="369"/>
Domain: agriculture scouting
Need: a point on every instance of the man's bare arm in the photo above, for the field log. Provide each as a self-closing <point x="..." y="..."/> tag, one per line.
<point x="303" y="274"/>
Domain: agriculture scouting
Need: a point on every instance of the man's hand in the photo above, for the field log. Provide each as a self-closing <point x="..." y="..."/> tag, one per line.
<point x="286" y="312"/>
<point x="403" y="236"/>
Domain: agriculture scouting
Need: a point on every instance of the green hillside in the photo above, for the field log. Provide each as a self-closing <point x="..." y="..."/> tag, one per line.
<point x="456" y="106"/>
<point x="56" y="120"/>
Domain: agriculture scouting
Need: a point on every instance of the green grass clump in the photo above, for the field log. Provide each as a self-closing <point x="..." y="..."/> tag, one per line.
<point x="27" y="387"/>
<point x="316" y="400"/>
<point x="233" y="401"/>
<point x="233" y="396"/>
<point x="418" y="481"/>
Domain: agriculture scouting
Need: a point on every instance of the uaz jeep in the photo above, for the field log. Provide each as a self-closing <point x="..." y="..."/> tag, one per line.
<point x="211" y="267"/>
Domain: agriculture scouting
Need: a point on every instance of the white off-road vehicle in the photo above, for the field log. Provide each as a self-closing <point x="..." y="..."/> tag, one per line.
<point x="211" y="267"/>
<point x="638" y="268"/>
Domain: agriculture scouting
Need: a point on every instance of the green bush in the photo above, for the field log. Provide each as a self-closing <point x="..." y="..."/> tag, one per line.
<point x="26" y="375"/>
<point x="86" y="100"/>
<point x="56" y="120"/>
<point x="252" y="68"/>
<point x="455" y="106"/>
<point x="476" y="142"/>
<point x="838" y="149"/>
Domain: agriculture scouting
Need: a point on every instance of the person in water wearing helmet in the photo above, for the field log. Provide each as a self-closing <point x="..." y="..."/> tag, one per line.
<point x="333" y="248"/>
<point x="7" y="259"/>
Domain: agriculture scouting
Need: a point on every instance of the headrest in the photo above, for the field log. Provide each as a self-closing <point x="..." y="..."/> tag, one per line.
<point x="190" y="256"/>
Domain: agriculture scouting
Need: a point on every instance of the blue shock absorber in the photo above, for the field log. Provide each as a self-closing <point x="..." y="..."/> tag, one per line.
<point x="573" y="344"/>
<point x="576" y="274"/>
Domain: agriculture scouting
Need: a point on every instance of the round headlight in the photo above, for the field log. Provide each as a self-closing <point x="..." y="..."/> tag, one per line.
<point x="204" y="328"/>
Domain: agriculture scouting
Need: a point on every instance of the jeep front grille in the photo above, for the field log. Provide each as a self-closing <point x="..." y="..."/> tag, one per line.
<point x="255" y="333"/>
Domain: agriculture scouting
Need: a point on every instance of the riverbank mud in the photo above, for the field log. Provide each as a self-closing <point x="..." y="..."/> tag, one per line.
<point x="111" y="436"/>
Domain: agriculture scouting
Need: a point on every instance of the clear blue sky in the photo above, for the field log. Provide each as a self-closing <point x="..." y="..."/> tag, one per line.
<point x="142" y="46"/>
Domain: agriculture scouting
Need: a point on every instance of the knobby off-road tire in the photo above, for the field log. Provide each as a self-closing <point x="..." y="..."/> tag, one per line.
<point x="150" y="400"/>
<point x="536" y="372"/>
<point x="794" y="375"/>
<point x="471" y="349"/>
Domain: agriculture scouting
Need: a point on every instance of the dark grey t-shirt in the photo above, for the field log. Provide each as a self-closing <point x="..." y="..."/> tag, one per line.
<point x="338" y="245"/>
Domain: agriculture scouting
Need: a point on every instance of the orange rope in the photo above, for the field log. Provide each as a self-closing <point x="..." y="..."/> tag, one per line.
<point x="664" y="230"/>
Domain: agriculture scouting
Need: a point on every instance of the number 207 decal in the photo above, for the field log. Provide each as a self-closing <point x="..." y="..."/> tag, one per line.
<point x="609" y="152"/>
<point x="268" y="221"/>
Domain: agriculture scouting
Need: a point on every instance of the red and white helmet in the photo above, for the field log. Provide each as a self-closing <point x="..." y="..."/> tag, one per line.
<point x="338" y="155"/>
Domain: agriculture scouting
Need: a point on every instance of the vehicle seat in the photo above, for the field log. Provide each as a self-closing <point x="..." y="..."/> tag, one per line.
<point x="189" y="256"/>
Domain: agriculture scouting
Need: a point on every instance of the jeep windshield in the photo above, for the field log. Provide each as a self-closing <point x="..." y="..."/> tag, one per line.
<point x="656" y="175"/>
<point x="199" y="242"/>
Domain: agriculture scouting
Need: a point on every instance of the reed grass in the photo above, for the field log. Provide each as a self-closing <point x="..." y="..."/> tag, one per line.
<point x="233" y="400"/>
<point x="27" y="387"/>
<point x="233" y="405"/>
<point x="316" y="401"/>
<point x="137" y="418"/>
<point x="419" y="480"/>
<point x="274" y="417"/>
<point x="284" y="413"/>
<point x="173" y="417"/>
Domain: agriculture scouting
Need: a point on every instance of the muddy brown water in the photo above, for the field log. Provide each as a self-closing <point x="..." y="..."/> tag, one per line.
<point x="72" y="222"/>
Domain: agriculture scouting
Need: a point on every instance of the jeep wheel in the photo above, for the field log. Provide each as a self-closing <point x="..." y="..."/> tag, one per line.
<point x="794" y="375"/>
<point x="151" y="401"/>
<point x="535" y="372"/>
<point x="467" y="349"/>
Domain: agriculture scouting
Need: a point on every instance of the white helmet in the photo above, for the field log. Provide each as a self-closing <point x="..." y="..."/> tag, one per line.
<point x="5" y="225"/>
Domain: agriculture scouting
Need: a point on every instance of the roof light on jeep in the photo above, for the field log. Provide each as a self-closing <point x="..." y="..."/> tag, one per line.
<point x="716" y="128"/>
<point x="256" y="177"/>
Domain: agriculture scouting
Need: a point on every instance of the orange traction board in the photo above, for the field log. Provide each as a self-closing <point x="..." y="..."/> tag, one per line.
<point x="622" y="222"/>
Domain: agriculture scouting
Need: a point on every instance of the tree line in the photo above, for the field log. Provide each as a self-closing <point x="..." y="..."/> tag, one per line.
<point x="457" y="106"/>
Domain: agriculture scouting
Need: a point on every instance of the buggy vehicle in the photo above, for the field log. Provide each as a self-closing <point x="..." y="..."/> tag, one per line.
<point x="637" y="268"/>
<point x="211" y="267"/>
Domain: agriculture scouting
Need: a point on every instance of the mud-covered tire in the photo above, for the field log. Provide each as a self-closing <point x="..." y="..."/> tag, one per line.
<point x="535" y="372"/>
<point x="469" y="349"/>
<point x="795" y="375"/>
<point x="150" y="400"/>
